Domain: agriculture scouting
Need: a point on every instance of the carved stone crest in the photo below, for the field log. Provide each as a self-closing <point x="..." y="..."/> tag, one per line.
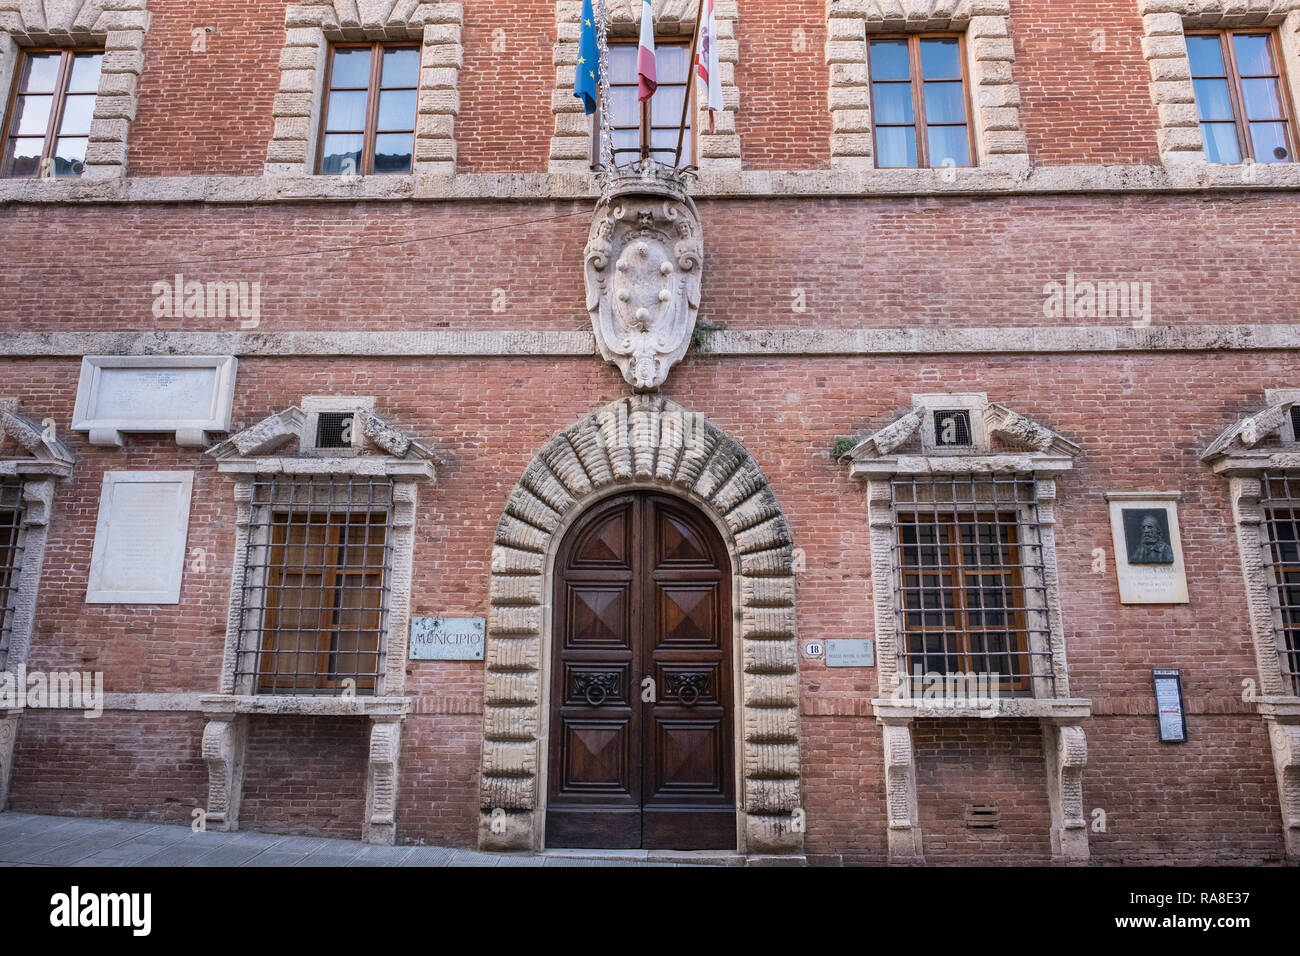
<point x="643" y="262"/>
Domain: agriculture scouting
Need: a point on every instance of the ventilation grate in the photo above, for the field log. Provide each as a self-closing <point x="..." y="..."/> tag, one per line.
<point x="1295" y="422"/>
<point x="334" y="430"/>
<point x="952" y="428"/>
<point x="982" y="816"/>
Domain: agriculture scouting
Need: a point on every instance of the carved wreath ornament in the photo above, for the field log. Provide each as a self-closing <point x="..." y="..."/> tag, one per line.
<point x="643" y="261"/>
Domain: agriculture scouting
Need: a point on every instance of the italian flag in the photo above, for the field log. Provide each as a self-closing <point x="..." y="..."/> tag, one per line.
<point x="645" y="56"/>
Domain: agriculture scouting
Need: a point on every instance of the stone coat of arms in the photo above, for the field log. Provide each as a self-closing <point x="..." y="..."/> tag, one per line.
<point x="643" y="262"/>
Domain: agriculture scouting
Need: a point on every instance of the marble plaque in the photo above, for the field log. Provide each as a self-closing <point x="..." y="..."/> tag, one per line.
<point x="1148" y="547"/>
<point x="139" y="552"/>
<point x="190" y="395"/>
<point x="851" y="653"/>
<point x="448" y="638"/>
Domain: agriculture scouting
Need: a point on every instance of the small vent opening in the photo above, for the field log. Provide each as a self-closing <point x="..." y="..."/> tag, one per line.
<point x="1295" y="422"/>
<point x="982" y="816"/>
<point x="334" y="430"/>
<point x="952" y="428"/>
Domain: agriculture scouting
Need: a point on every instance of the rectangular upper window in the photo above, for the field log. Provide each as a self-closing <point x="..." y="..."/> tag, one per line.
<point x="648" y="128"/>
<point x="47" y="124"/>
<point x="1241" y="100"/>
<point x="368" y="119"/>
<point x="315" y="605"/>
<point x="970" y="588"/>
<point x="919" y="101"/>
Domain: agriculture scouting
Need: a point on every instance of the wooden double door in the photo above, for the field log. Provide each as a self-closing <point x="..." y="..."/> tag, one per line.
<point x="641" y="691"/>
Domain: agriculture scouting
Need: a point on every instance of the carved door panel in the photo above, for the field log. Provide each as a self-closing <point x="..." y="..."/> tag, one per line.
<point x="641" y="591"/>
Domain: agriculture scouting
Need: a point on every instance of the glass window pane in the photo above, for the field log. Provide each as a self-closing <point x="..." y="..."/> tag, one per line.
<point x="895" y="146"/>
<point x="393" y="152"/>
<point x="1269" y="142"/>
<point x="401" y="67"/>
<point x="1206" y="55"/>
<point x="70" y="156"/>
<point x="893" y="102"/>
<point x="33" y="115"/>
<point x="85" y="73"/>
<point x="624" y="107"/>
<point x="1212" y="99"/>
<point x="351" y="68"/>
<point x="666" y="106"/>
<point x="397" y="109"/>
<point x="1262" y="98"/>
<point x="948" y="145"/>
<point x="627" y="139"/>
<point x="77" y="112"/>
<point x="940" y="60"/>
<point x="944" y="103"/>
<point x="622" y="63"/>
<point x="41" y="72"/>
<point x="342" y="154"/>
<point x="666" y="141"/>
<point x="1221" y="142"/>
<point x="670" y="63"/>
<point x="1253" y="55"/>
<point x="23" y="156"/>
<point x="347" y="111"/>
<point x="889" y="60"/>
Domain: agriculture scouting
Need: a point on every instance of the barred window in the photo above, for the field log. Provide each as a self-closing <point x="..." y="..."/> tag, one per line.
<point x="11" y="558"/>
<point x="316" y="595"/>
<point x="1281" y="503"/>
<point x="970" y="586"/>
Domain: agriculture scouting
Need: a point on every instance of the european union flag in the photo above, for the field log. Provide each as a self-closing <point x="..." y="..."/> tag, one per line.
<point x="588" y="77"/>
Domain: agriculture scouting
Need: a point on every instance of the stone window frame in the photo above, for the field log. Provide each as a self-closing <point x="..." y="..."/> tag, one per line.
<point x="311" y="27"/>
<point x="994" y="96"/>
<point x="572" y="143"/>
<point x="1259" y="443"/>
<point x="46" y="460"/>
<point x="268" y="449"/>
<point x="118" y="27"/>
<point x="1164" y="45"/>
<point x="877" y="460"/>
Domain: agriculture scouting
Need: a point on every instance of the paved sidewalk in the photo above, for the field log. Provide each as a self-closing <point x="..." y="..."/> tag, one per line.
<point x="30" y="840"/>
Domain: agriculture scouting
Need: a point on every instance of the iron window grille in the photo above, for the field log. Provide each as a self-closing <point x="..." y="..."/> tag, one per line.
<point x="1280" y="498"/>
<point x="11" y="559"/>
<point x="970" y="584"/>
<point x="316" y="596"/>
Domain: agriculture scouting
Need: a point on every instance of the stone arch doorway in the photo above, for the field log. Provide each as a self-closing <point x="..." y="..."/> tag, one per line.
<point x="642" y="444"/>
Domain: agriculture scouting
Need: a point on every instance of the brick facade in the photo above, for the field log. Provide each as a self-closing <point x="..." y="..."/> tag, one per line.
<point x="799" y="278"/>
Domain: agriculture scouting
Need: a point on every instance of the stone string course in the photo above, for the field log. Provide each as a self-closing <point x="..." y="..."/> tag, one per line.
<point x="119" y="27"/>
<point x="1164" y="45"/>
<point x="643" y="442"/>
<point x="571" y="146"/>
<point x="995" y="97"/>
<point x="312" y="25"/>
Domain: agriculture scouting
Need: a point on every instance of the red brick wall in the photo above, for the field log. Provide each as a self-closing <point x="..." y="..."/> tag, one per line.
<point x="1085" y="88"/>
<point x="898" y="263"/>
<point x="209" y="113"/>
<point x="487" y="418"/>
<point x="973" y="762"/>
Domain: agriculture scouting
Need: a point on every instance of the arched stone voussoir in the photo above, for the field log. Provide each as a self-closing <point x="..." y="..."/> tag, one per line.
<point x="637" y="443"/>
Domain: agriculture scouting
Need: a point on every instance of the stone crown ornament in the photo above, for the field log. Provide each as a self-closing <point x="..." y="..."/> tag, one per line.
<point x="643" y="261"/>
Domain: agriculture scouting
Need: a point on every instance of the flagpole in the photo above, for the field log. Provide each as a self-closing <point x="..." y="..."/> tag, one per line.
<point x="690" y="85"/>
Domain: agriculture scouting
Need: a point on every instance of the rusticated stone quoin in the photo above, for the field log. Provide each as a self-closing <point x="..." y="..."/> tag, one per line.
<point x="642" y="442"/>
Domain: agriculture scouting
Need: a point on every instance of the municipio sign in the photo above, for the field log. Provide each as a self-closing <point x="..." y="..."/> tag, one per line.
<point x="448" y="638"/>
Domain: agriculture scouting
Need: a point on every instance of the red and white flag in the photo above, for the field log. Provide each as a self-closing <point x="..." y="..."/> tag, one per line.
<point x="706" y="65"/>
<point x="645" y="55"/>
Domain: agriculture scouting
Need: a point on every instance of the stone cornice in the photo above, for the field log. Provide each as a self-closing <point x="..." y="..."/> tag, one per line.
<point x="718" y="344"/>
<point x="732" y="184"/>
